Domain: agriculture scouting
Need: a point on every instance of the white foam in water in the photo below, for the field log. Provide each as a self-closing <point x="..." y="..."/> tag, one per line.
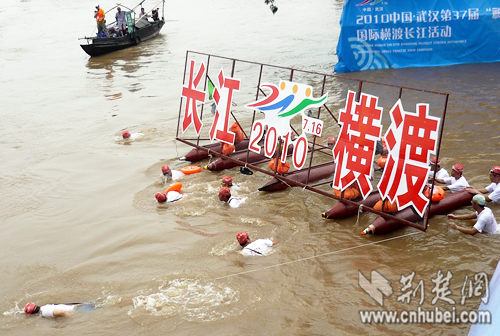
<point x="193" y="299"/>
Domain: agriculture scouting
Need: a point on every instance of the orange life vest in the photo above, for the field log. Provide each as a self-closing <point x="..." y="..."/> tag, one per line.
<point x="99" y="17"/>
<point x="283" y="168"/>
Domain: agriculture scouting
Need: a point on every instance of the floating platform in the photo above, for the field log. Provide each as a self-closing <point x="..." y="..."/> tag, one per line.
<point x="448" y="204"/>
<point x="342" y="210"/>
<point x="197" y="154"/>
<point x="315" y="173"/>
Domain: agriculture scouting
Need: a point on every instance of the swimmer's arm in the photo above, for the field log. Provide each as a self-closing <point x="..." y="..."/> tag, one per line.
<point x="471" y="231"/>
<point x="477" y="191"/>
<point x="275" y="242"/>
<point x="471" y="215"/>
<point x="61" y="313"/>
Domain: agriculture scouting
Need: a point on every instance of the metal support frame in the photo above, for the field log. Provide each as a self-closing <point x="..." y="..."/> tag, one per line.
<point x="312" y="146"/>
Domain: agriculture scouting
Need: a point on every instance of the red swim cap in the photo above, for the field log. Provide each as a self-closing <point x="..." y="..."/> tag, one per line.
<point x="227" y="180"/>
<point x="225" y="191"/>
<point x="433" y="160"/>
<point x="458" y="168"/>
<point x="242" y="237"/>
<point x="30" y="308"/>
<point x="331" y="140"/>
<point x="160" y="197"/>
<point x="126" y="134"/>
<point x="165" y="169"/>
<point x="495" y="170"/>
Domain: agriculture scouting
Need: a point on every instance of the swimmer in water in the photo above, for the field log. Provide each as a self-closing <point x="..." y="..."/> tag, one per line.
<point x="225" y="196"/>
<point x="56" y="310"/>
<point x="170" y="173"/>
<point x="260" y="247"/>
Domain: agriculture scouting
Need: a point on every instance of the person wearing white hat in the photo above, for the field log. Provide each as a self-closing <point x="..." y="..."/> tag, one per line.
<point x="486" y="221"/>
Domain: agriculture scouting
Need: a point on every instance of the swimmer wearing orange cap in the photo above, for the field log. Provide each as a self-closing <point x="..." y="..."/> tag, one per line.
<point x="493" y="189"/>
<point x="227" y="181"/>
<point x="441" y="173"/>
<point x="456" y="181"/>
<point x="331" y="142"/>
<point x="56" y="310"/>
<point x="126" y="135"/>
<point x="260" y="247"/>
<point x="170" y="173"/>
<point x="169" y="197"/>
<point x="225" y="196"/>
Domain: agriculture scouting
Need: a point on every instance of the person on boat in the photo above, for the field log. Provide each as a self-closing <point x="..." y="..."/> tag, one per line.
<point x="170" y="173"/>
<point x="121" y="21"/>
<point x="456" y="181"/>
<point x="101" y="22"/>
<point x="225" y="196"/>
<point x="435" y="164"/>
<point x="260" y="247"/>
<point x="56" y="310"/>
<point x="493" y="189"/>
<point x="486" y="221"/>
<point x="154" y="14"/>
<point x="143" y="14"/>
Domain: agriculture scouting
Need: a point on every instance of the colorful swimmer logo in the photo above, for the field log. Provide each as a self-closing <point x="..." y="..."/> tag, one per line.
<point x="286" y="101"/>
<point x="369" y="2"/>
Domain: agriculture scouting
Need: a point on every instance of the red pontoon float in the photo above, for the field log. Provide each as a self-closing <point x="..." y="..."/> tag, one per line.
<point x="342" y="210"/>
<point x="314" y="174"/>
<point x="448" y="204"/>
<point x="198" y="154"/>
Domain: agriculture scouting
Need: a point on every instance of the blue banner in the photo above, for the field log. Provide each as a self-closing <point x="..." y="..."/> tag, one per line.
<point x="380" y="34"/>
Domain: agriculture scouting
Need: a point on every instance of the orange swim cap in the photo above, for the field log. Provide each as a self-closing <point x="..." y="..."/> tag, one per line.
<point x="227" y="180"/>
<point x="458" y="168"/>
<point x="242" y="237"/>
<point x="225" y="191"/>
<point x="160" y="197"/>
<point x="31" y="308"/>
<point x="165" y="169"/>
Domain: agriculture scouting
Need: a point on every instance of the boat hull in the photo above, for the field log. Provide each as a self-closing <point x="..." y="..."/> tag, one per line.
<point x="102" y="46"/>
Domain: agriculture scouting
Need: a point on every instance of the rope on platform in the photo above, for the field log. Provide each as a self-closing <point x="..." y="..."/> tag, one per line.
<point x="210" y="157"/>
<point x="317" y="256"/>
<point x="360" y="210"/>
